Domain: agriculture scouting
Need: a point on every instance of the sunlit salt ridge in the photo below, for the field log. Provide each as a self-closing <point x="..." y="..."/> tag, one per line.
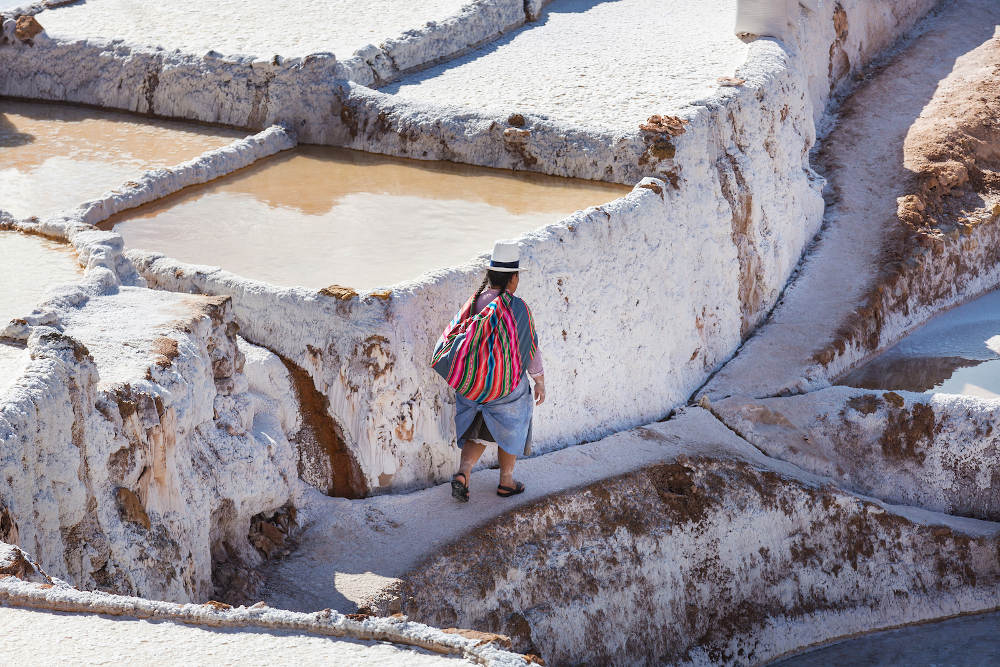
<point x="56" y="157"/>
<point x="318" y="216"/>
<point x="593" y="63"/>
<point x="957" y="352"/>
<point x="294" y="28"/>
<point x="29" y="267"/>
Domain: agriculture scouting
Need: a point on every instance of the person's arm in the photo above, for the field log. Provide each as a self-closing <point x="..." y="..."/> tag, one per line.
<point x="537" y="373"/>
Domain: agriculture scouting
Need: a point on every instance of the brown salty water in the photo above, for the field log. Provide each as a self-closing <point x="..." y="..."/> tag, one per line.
<point x="317" y="216"/>
<point x="29" y="267"/>
<point x="56" y="156"/>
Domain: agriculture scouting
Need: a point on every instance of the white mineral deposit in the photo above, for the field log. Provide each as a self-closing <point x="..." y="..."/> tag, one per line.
<point x="294" y="29"/>
<point x="761" y="246"/>
<point x="607" y="65"/>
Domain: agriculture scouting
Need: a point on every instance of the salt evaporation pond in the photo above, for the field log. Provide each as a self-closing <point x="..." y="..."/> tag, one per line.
<point x="56" y="157"/>
<point x="957" y="352"/>
<point x="29" y="267"/>
<point x="968" y="641"/>
<point x="317" y="216"/>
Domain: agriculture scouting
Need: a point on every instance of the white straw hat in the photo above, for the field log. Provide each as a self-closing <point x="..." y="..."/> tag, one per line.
<point x="506" y="257"/>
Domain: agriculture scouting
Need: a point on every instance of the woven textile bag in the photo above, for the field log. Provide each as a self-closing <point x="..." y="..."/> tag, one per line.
<point x="482" y="355"/>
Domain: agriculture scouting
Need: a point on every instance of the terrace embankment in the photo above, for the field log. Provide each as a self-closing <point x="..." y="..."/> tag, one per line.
<point x="939" y="451"/>
<point x="724" y="557"/>
<point x="911" y="224"/>
<point x="137" y="460"/>
<point x="710" y="243"/>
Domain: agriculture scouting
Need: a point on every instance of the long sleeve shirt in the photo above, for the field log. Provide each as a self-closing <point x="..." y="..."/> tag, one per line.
<point x="535" y="368"/>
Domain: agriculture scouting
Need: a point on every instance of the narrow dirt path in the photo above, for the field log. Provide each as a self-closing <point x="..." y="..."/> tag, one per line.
<point x="352" y="550"/>
<point x="864" y="161"/>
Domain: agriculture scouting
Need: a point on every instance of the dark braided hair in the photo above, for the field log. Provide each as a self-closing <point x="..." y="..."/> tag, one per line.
<point x="495" y="279"/>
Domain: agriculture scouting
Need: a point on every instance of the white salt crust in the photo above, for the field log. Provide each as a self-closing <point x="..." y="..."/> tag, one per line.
<point x="297" y="28"/>
<point x="599" y="65"/>
<point x="91" y="638"/>
<point x="254" y="620"/>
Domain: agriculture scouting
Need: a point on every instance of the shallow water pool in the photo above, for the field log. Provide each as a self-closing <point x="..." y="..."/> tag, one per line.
<point x="956" y="352"/>
<point x="29" y="267"/>
<point x="56" y="156"/>
<point x="317" y="216"/>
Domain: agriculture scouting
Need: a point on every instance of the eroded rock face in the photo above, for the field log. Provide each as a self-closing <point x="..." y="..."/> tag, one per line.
<point x="701" y="561"/>
<point x="940" y="452"/>
<point x="152" y="472"/>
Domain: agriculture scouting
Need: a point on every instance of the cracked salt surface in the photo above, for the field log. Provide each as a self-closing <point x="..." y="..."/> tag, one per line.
<point x="318" y="216"/>
<point x="29" y="267"/>
<point x="263" y="28"/>
<point x="957" y="352"/>
<point x="120" y="329"/>
<point x="599" y="64"/>
<point x="56" y="157"/>
<point x="98" y="639"/>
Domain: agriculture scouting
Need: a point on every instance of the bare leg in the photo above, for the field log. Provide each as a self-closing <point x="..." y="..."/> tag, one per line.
<point x="471" y="451"/>
<point x="507" y="462"/>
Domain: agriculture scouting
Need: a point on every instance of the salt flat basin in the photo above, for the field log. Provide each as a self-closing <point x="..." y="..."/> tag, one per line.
<point x="594" y="63"/>
<point x="29" y="267"/>
<point x="957" y="642"/>
<point x="55" y="156"/>
<point x="317" y="216"/>
<point x="290" y="28"/>
<point x="956" y="352"/>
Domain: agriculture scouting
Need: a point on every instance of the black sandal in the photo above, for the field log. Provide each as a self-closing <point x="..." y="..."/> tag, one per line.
<point x="507" y="492"/>
<point x="460" y="491"/>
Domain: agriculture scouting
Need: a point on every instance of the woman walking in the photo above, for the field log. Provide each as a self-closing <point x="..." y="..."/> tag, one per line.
<point x="486" y="354"/>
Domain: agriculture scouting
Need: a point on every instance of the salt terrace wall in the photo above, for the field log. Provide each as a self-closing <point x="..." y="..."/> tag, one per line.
<point x="141" y="486"/>
<point x="721" y="558"/>
<point x="939" y="452"/>
<point x="637" y="301"/>
<point x="90" y="460"/>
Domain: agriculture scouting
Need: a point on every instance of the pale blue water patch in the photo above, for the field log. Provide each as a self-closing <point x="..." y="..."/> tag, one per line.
<point x="957" y="352"/>
<point x="969" y="641"/>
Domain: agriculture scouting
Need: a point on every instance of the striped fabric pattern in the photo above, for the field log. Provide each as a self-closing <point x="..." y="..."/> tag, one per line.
<point x="483" y="355"/>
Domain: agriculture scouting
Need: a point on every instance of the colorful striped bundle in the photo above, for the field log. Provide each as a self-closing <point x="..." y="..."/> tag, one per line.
<point x="483" y="356"/>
